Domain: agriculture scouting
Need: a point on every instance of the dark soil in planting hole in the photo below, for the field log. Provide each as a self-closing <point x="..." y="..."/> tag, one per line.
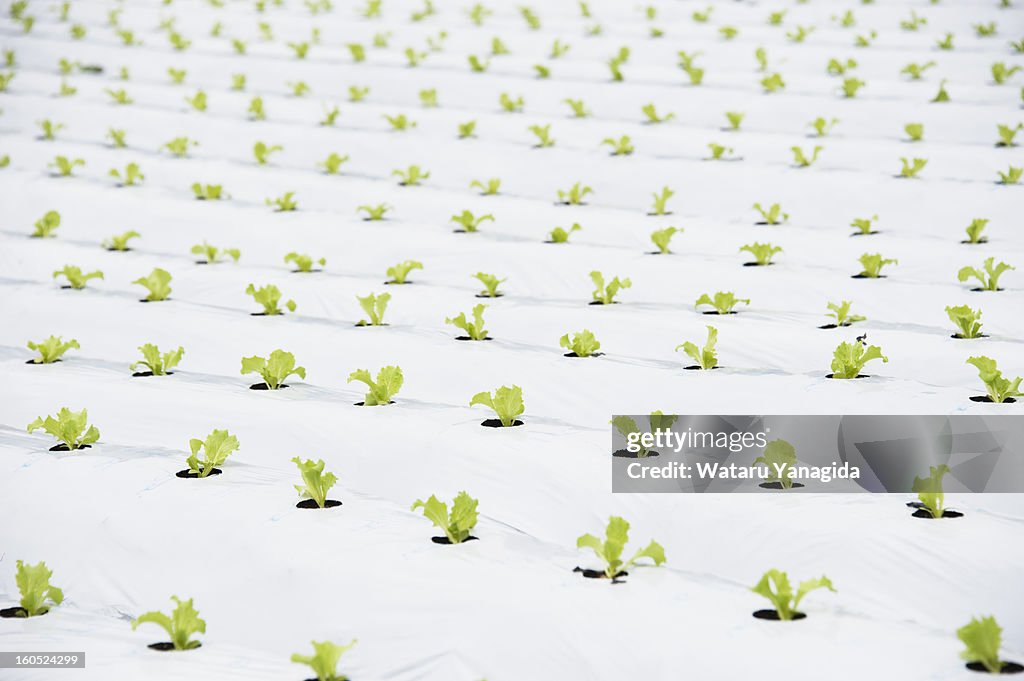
<point x="484" y="295"/>
<point x="774" y="616"/>
<point x="625" y="454"/>
<point x="167" y="646"/>
<point x="717" y="313"/>
<point x="778" y="485"/>
<point x="467" y="338"/>
<point x="143" y="300"/>
<point x="399" y="283"/>
<point x="573" y="354"/>
<point x="496" y="423"/>
<point x="311" y="503"/>
<point x="446" y="541"/>
<point x="64" y="448"/>
<point x="959" y="337"/>
<point x="924" y="513"/>
<point x="363" y="404"/>
<point x="32" y="361"/>
<point x="264" y="314"/>
<point x="195" y="476"/>
<point x="598" y="302"/>
<point x="866" y="234"/>
<point x="982" y="290"/>
<point x="312" y="271"/>
<point x="369" y="326"/>
<point x="264" y="386"/>
<point x="757" y="264"/>
<point x="695" y="367"/>
<point x="833" y="376"/>
<point x="142" y="374"/>
<point x="1007" y="668"/>
<point x="983" y="240"/>
<point x="864" y="276"/>
<point x="16" y="612"/>
<point x="599" y="574"/>
<point x="986" y="398"/>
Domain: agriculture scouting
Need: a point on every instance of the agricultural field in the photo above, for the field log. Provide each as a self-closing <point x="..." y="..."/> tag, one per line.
<point x="258" y="257"/>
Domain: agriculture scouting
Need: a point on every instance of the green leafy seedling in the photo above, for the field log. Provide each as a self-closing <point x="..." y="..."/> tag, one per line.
<point x="475" y="329"/>
<point x="374" y="306"/>
<point x="840" y="312"/>
<point x="389" y="382"/>
<point x="723" y="302"/>
<point x="983" y="637"/>
<point x="269" y="296"/>
<point x="47" y="225"/>
<point x="490" y="283"/>
<point x="772" y="216"/>
<point x="763" y="253"/>
<point x="849" y="359"/>
<point x="399" y="272"/>
<point x="212" y="255"/>
<point x="119" y="242"/>
<point x="988" y="275"/>
<point x="180" y="625"/>
<point x="560" y="235"/>
<point x="661" y="238"/>
<point x="374" y="213"/>
<point x="315" y="483"/>
<point x="75" y="277"/>
<point x="51" y="349"/>
<point x="37" y="594"/>
<point x="324" y="660"/>
<point x="158" y="363"/>
<point x="610" y="550"/>
<point x="604" y="294"/>
<point x="303" y="262"/>
<point x="775" y="586"/>
<point x="275" y="369"/>
<point x="872" y="264"/>
<point x="929" y="491"/>
<point x="457" y="525"/>
<point x="705" y="357"/>
<point x="999" y="389"/>
<point x="70" y="428"/>
<point x="966" y="320"/>
<point x="580" y="344"/>
<point x="469" y="222"/>
<point x="780" y="458"/>
<point x="216" y="448"/>
<point x="574" y="195"/>
<point x="506" y="402"/>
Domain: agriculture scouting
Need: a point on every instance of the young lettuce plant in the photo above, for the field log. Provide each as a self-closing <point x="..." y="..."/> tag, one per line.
<point x="775" y="586"/>
<point x="37" y="594"/>
<point x="180" y="625"/>
<point x="71" y="429"/>
<point x="269" y="296"/>
<point x="64" y="166"/>
<point x="212" y="255"/>
<point x="51" y="349"/>
<point x="802" y="160"/>
<point x="1007" y="134"/>
<point x="1012" y="176"/>
<point x="467" y="130"/>
<point x="581" y="344"/>
<point x="723" y="302"/>
<point x="332" y="164"/>
<point x="374" y="213"/>
<point x="506" y="402"/>
<point x="966" y="320"/>
<point x="988" y="276"/>
<point x="604" y="294"/>
<point x="849" y="358"/>
<point x="491" y="283"/>
<point x="475" y="329"/>
<point x="574" y="195"/>
<point x="411" y="176"/>
<point x="660" y="205"/>
<point x="873" y="264"/>
<point x="119" y="242"/>
<point x="864" y="226"/>
<point x="303" y="262"/>
<point x="706" y="357"/>
<point x="389" y="382"/>
<point x="374" y="306"/>
<point x="131" y="177"/>
<point x="975" y="231"/>
<point x="763" y="253"/>
<point x="911" y="167"/>
<point x="560" y="235"/>
<point x="216" y="448"/>
<point x="469" y="222"/>
<point x="46" y="225"/>
<point x="915" y="131"/>
<point x="399" y="272"/>
<point x="155" y="362"/>
<point x="661" y="237"/>
<point x="822" y="126"/>
<point x="653" y="117"/>
<point x="610" y="550"/>
<point x="208" y="192"/>
<point x="780" y="458"/>
<point x="623" y="146"/>
<point x="772" y="216"/>
<point x="983" y="638"/>
<point x="543" y="135"/>
<point x="274" y="370"/>
<point x="76" y="278"/>
<point x="457" y="525"/>
<point x="929" y="491"/>
<point x="324" y="660"/>
<point x="999" y="389"/>
<point x="283" y="204"/>
<point x="315" y="483"/>
<point x="157" y="283"/>
<point x="840" y="312"/>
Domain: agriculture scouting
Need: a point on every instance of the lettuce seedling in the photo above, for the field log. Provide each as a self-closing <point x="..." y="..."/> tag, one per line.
<point x="988" y="277"/>
<point x="76" y="278"/>
<point x="180" y="625"/>
<point x="626" y="426"/>
<point x="474" y="330"/>
<point x="316" y="483"/>
<point x="51" y="349"/>
<point x="511" y="105"/>
<point x="735" y="119"/>
<point x="132" y="175"/>
<point x="579" y="109"/>
<point x="400" y="123"/>
<point x="974" y="231"/>
<point x="772" y="216"/>
<point x="459" y="524"/>
<point x="780" y="458"/>
<point x="966" y="320"/>
<point x="983" y="638"/>
<point x="412" y="176"/>
<point x="661" y="237"/>
<point x="490" y="283"/>
<point x="208" y="192"/>
<point x="763" y="253"/>
<point x="912" y="167"/>
<point x="65" y="166"/>
<point x="1001" y="72"/>
<point x="157" y="363"/>
<point x="478" y="65"/>
<point x="303" y="262"/>
<point x="915" y="131"/>
<point x="216" y="448"/>
<point x="929" y="490"/>
<point x="284" y="203"/>
<point x="488" y="188"/>
<point x="256" y="110"/>
<point x="157" y="283"/>
<point x="945" y="42"/>
<point x="610" y="550"/>
<point x="582" y="344"/>
<point x="999" y="389"/>
<point x="773" y="83"/>
<point x="374" y="213"/>
<point x="660" y="205"/>
<point x="706" y="357"/>
<point x="34" y="586"/>
<point x="467" y="129"/>
<point x="269" y="296"/>
<point x="622" y="146"/>
<point x="330" y="116"/>
<point x="559" y="235"/>
<point x="913" y="23"/>
<point x="849" y="358"/>
<point x="46" y="225"/>
<point x="119" y="242"/>
<point x="873" y="264"/>
<point x="275" y="369"/>
<point x="120" y="96"/>
<point x="723" y="302"/>
<point x="262" y="152"/>
<point x="841" y="313"/>
<point x="1013" y="175"/>
<point x="70" y="428"/>
<point x="653" y="116"/>
<point x="470" y="222"/>
<point x="801" y="160"/>
<point x="332" y="164"/>
<point x="718" y="151"/>
<point x="212" y="255"/>
<point x="915" y="71"/>
<point x="821" y="127"/>
<point x="543" y="135"/>
<point x="506" y="402"/>
<point x="374" y="305"/>
<point x="1007" y="134"/>
<point x="985" y="30"/>
<point x="864" y="226"/>
<point x="324" y="660"/>
<point x="851" y="86"/>
<point x="942" y="95"/>
<point x="574" y="195"/>
<point x="399" y="273"/>
<point x="389" y="382"/>
<point x="782" y="597"/>
<point x="357" y="93"/>
<point x="5" y="80"/>
<point x="604" y="294"/>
